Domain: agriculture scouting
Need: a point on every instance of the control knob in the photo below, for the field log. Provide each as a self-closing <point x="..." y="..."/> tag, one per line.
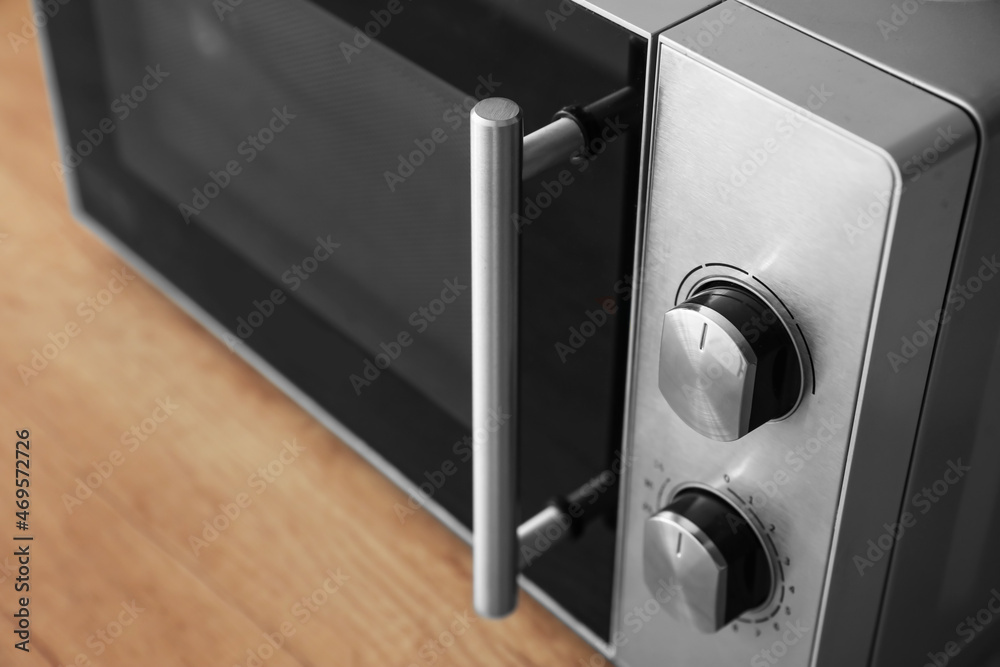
<point x="705" y="549"/>
<point x="728" y="363"/>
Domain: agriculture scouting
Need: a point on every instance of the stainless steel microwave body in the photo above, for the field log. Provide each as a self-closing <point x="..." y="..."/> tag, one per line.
<point x="730" y="305"/>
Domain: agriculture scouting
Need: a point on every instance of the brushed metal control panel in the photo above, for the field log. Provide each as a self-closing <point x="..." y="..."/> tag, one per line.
<point x="781" y="191"/>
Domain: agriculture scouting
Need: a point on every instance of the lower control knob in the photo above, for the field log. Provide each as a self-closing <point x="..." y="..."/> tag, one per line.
<point x="708" y="550"/>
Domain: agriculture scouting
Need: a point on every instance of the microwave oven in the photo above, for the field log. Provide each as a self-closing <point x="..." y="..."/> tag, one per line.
<point x="683" y="314"/>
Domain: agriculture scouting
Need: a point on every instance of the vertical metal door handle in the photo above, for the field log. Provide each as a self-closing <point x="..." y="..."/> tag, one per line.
<point x="501" y="156"/>
<point x="496" y="148"/>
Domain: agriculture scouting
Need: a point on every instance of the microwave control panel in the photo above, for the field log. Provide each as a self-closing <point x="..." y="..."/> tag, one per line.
<point x="763" y="264"/>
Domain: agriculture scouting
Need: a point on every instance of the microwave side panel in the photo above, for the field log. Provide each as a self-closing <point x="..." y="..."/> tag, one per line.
<point x="944" y="570"/>
<point x="822" y="218"/>
<point x="951" y="49"/>
<point x="945" y="574"/>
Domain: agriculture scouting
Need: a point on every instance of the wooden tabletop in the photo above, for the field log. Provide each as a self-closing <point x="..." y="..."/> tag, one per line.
<point x="143" y="427"/>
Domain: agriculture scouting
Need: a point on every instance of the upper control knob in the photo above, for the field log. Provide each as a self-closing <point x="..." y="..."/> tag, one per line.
<point x="708" y="551"/>
<point x="727" y="363"/>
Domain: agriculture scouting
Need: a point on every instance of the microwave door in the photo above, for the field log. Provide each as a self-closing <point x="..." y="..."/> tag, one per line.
<point x="298" y="178"/>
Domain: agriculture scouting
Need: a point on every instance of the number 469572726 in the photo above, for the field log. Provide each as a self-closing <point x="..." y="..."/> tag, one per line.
<point x="22" y="463"/>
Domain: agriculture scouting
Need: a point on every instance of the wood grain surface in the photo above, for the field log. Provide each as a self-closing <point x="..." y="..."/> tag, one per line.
<point x="316" y="552"/>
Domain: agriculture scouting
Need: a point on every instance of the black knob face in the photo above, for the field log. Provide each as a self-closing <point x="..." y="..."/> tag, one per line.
<point x="709" y="548"/>
<point x="727" y="362"/>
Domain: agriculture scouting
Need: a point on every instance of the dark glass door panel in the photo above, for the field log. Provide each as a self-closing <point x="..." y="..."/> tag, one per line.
<point x="284" y="152"/>
<point x="328" y="171"/>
